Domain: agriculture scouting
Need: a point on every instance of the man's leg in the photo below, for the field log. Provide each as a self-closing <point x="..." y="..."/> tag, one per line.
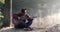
<point x="20" y="25"/>
<point x="28" y="23"/>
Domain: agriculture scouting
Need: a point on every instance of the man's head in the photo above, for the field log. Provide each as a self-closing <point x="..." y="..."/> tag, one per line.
<point x="23" y="10"/>
<point x="15" y="16"/>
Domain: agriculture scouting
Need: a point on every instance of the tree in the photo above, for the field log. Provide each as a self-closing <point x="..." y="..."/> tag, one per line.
<point x="1" y="13"/>
<point x="7" y="13"/>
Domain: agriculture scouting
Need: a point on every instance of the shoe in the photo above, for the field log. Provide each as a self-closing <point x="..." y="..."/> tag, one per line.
<point x="28" y="29"/>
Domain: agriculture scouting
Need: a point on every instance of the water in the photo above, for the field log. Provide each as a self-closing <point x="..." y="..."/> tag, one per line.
<point x="47" y="11"/>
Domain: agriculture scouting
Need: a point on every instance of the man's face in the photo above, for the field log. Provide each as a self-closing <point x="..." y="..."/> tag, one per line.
<point x="25" y="12"/>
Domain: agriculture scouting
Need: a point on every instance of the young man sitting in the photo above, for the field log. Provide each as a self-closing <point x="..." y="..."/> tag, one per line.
<point x="19" y="20"/>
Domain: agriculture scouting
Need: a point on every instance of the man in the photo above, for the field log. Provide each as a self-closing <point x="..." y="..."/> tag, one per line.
<point x="19" y="20"/>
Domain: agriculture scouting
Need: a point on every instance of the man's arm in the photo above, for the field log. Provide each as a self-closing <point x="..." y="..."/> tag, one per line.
<point x="29" y="17"/>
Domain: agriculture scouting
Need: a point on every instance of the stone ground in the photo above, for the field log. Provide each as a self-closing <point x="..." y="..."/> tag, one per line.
<point x="55" y="28"/>
<point x="10" y="29"/>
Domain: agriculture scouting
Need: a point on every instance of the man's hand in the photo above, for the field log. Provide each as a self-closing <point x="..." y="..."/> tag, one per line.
<point x="30" y="18"/>
<point x="18" y="18"/>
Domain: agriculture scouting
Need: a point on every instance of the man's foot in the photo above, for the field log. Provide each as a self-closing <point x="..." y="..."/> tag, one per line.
<point x="28" y="29"/>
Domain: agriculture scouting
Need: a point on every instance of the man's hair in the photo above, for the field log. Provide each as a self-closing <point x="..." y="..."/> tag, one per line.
<point x="14" y="15"/>
<point x="23" y="10"/>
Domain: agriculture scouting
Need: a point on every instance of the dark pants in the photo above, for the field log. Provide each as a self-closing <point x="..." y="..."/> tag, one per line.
<point x="22" y="24"/>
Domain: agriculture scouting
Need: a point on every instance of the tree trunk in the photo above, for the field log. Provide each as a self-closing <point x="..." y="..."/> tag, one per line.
<point x="7" y="13"/>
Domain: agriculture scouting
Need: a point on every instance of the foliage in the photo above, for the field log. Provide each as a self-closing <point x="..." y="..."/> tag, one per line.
<point x="1" y="8"/>
<point x="1" y="16"/>
<point x="2" y="1"/>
